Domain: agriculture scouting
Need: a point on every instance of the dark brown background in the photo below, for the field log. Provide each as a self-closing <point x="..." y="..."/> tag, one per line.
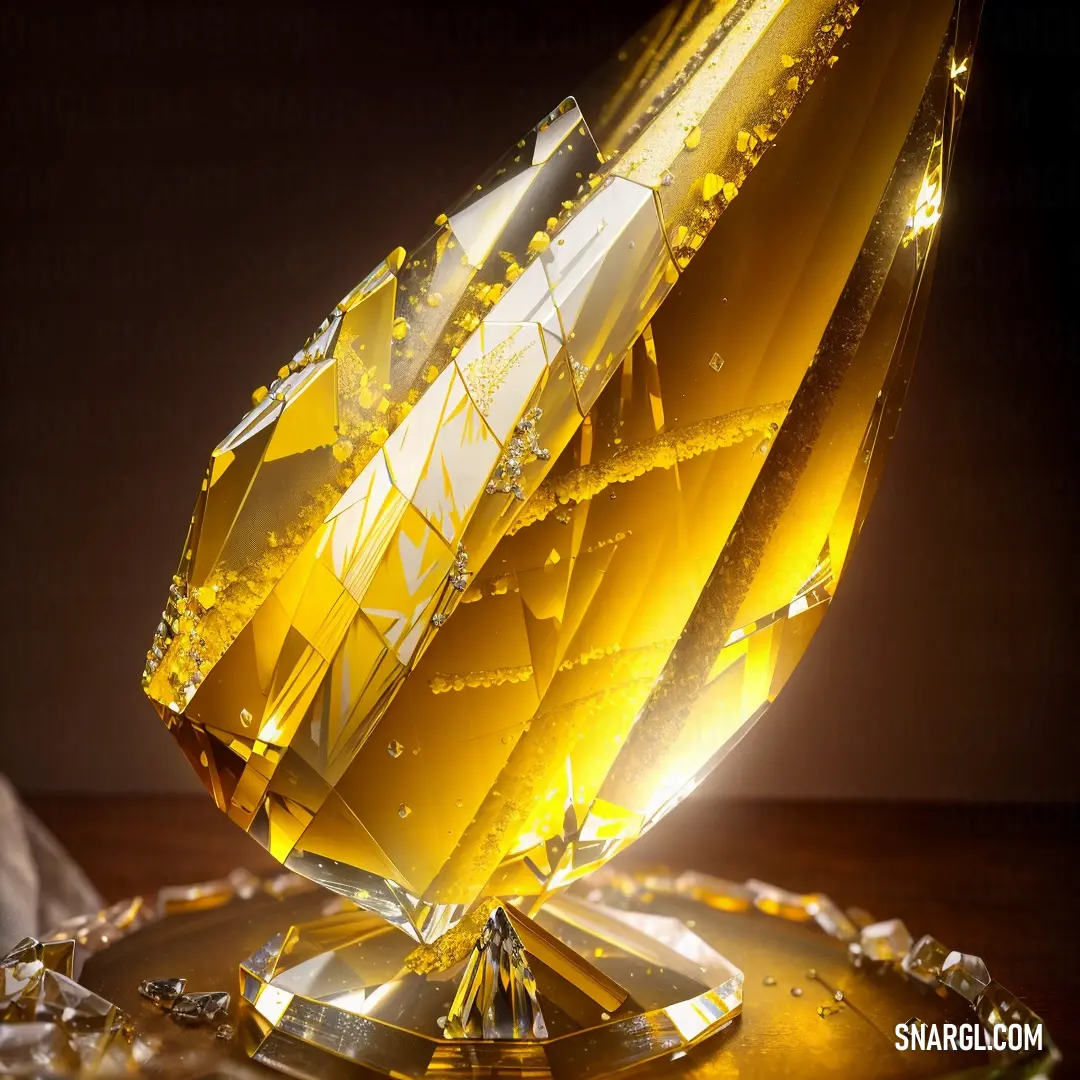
<point x="189" y="187"/>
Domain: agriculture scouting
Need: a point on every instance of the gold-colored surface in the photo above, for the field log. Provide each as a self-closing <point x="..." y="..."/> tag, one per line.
<point x="549" y="508"/>
<point x="782" y="942"/>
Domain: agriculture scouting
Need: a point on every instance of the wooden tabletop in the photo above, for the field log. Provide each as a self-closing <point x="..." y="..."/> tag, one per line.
<point x="1000" y="881"/>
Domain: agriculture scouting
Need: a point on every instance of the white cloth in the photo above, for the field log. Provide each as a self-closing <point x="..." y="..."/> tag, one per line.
<point x="40" y="884"/>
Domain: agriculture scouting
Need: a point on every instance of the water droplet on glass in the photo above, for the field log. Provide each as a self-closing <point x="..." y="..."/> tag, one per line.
<point x="394" y="748"/>
<point x="796" y="991"/>
<point x="404" y="811"/>
<point x="717" y="361"/>
<point x="769" y="980"/>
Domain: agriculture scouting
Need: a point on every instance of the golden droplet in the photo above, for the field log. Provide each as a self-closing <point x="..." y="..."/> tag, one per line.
<point x="259" y="395"/>
<point x="711" y="186"/>
<point x="539" y="242"/>
<point x="207" y="597"/>
<point x="693" y="137"/>
<point x="399" y="329"/>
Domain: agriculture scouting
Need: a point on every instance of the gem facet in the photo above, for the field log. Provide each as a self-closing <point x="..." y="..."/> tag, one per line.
<point x="496" y="998"/>
<point x="925" y="960"/>
<point x="886" y="942"/>
<point x="200" y="1008"/>
<point x="966" y="974"/>
<point x="162" y="992"/>
<point x="49" y="1024"/>
<point x="452" y="438"/>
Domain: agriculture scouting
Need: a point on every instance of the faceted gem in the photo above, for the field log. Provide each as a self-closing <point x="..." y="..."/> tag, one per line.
<point x="48" y="1022"/>
<point x="885" y="942"/>
<point x="96" y="930"/>
<point x="162" y="992"/>
<point x="503" y="509"/>
<point x="966" y="974"/>
<point x="776" y="901"/>
<point x="200" y="1008"/>
<point x="714" y="891"/>
<point x="925" y="960"/>
<point x="998" y="1006"/>
<point x="496" y="998"/>
<point x="56" y="956"/>
<point x="831" y="918"/>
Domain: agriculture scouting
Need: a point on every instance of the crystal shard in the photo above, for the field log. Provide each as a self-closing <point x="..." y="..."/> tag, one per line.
<point x="886" y="942"/>
<point x="49" y="1024"/>
<point x="925" y="960"/>
<point x="200" y="1008"/>
<point x="496" y="998"/>
<point x="503" y="512"/>
<point x="30" y="956"/>
<point x="966" y="974"/>
<point x="162" y="992"/>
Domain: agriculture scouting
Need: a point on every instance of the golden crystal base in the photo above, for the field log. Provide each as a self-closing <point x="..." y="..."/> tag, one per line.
<point x="522" y="1000"/>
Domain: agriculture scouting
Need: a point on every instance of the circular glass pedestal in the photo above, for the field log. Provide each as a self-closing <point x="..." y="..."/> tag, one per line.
<point x="584" y="992"/>
<point x="807" y="1009"/>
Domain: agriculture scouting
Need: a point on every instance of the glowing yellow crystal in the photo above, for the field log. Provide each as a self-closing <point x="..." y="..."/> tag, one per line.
<point x="507" y="556"/>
